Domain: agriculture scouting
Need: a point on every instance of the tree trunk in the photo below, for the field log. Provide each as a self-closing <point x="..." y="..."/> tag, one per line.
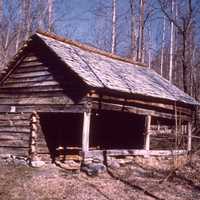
<point x="171" y="45"/>
<point x="141" y="32"/>
<point x="113" y="48"/>
<point x="133" y="31"/>
<point x="162" y="47"/>
<point x="50" y="15"/>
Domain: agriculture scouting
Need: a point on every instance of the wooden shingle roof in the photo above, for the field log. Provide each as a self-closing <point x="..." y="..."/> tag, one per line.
<point x="99" y="70"/>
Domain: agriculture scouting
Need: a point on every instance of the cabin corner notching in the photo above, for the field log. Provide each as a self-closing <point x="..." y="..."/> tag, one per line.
<point x="59" y="98"/>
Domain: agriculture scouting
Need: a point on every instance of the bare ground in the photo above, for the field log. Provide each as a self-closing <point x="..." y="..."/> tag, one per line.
<point x="128" y="182"/>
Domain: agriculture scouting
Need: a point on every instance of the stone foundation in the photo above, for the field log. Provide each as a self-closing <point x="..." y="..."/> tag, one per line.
<point x="164" y="160"/>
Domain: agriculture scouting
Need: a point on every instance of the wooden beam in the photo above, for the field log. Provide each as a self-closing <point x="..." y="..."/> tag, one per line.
<point x="77" y="108"/>
<point x="189" y="146"/>
<point x="147" y="132"/>
<point x="86" y="131"/>
<point x="135" y="110"/>
<point x="142" y="103"/>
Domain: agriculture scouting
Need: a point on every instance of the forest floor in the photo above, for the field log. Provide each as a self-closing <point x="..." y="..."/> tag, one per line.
<point x="127" y="182"/>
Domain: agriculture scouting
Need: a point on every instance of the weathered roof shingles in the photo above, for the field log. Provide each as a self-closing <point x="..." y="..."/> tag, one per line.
<point x="105" y="72"/>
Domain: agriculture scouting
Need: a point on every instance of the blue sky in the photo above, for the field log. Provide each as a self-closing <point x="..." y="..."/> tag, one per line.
<point x="77" y="20"/>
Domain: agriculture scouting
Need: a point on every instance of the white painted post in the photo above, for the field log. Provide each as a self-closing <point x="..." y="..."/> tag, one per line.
<point x="86" y="131"/>
<point x="147" y="132"/>
<point x="189" y="129"/>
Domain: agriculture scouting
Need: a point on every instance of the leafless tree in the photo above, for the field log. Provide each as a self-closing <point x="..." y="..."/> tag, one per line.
<point x="113" y="47"/>
<point x="185" y="23"/>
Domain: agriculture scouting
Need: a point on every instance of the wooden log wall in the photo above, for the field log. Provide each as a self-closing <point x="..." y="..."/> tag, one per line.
<point x="14" y="133"/>
<point x="35" y="86"/>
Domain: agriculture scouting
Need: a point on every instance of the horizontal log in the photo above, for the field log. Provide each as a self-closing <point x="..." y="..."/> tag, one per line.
<point x="31" y="89"/>
<point x="30" y="84"/>
<point x="7" y="123"/>
<point x="142" y="103"/>
<point x="33" y="63"/>
<point x="34" y="95"/>
<point x="35" y="68"/>
<point x="14" y="135"/>
<point x="30" y="74"/>
<point x="62" y="100"/>
<point x="15" y="129"/>
<point x="13" y="116"/>
<point x="31" y="79"/>
<point x="14" y="151"/>
<point x="14" y="143"/>
<point x="135" y="110"/>
<point x="46" y="108"/>
<point x="30" y="58"/>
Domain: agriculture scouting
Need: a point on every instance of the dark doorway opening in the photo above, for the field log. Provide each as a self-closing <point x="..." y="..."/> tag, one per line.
<point x="117" y="130"/>
<point x="62" y="130"/>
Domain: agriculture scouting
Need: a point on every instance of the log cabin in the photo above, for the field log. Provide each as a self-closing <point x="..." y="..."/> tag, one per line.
<point x="61" y="97"/>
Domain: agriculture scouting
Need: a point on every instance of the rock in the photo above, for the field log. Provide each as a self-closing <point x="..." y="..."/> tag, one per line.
<point x="113" y="164"/>
<point x="21" y="162"/>
<point x="37" y="163"/>
<point x="94" y="169"/>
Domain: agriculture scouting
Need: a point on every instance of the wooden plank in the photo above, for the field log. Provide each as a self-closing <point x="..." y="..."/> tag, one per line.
<point x="30" y="79"/>
<point x="15" y="129"/>
<point x="30" y="84"/>
<point x="14" y="143"/>
<point x="14" y="135"/>
<point x="48" y="94"/>
<point x="30" y="74"/>
<point x="135" y="110"/>
<point x="140" y="102"/>
<point x="53" y="108"/>
<point x="8" y="123"/>
<point x="31" y="89"/>
<point x="35" y="68"/>
<point x="78" y="108"/>
<point x="14" y="151"/>
<point x="32" y="63"/>
<point x="62" y="100"/>
<point x="16" y="116"/>
<point x="30" y="58"/>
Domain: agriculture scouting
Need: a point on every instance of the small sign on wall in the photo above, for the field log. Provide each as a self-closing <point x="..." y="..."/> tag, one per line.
<point x="12" y="109"/>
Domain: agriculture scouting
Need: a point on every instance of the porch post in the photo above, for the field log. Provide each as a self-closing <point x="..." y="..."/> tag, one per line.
<point x="147" y="132"/>
<point x="189" y="129"/>
<point x="86" y="131"/>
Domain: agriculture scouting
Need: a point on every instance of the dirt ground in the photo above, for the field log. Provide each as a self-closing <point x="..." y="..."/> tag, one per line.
<point x="127" y="182"/>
